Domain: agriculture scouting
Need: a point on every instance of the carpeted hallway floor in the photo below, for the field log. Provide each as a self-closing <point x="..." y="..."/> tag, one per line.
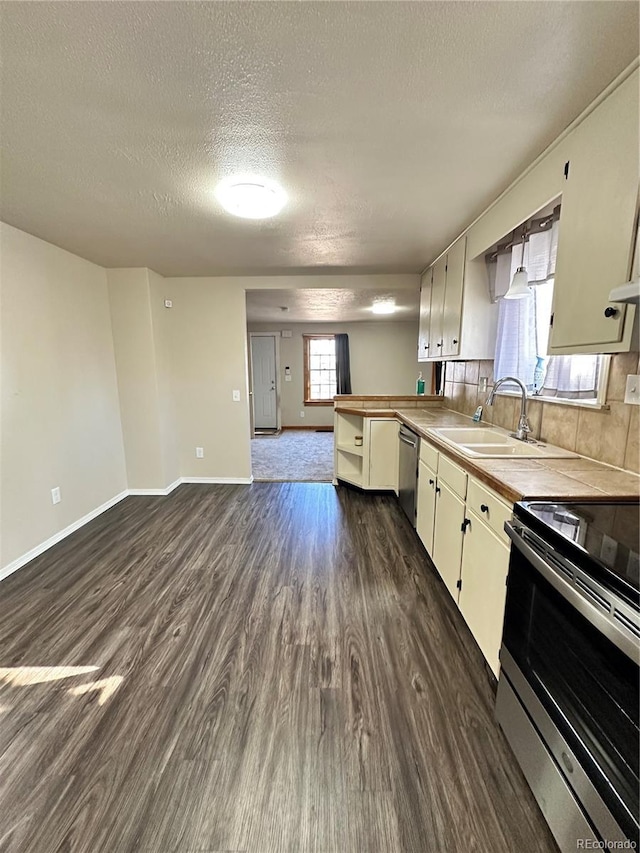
<point x="293" y="456"/>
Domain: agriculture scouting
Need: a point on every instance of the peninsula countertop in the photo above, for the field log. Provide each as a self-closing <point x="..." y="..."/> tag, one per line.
<point x="577" y="478"/>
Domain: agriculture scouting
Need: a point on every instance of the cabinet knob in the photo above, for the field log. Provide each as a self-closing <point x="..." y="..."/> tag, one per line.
<point x="432" y="482"/>
<point x="426" y="346"/>
<point x="439" y="344"/>
<point x="437" y="490"/>
<point x="465" y="524"/>
<point x="454" y="341"/>
<point x="484" y="508"/>
<point x="610" y="312"/>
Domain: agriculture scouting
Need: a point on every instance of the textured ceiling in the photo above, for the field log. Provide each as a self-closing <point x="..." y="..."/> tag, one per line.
<point x="391" y="125"/>
<point x="330" y="305"/>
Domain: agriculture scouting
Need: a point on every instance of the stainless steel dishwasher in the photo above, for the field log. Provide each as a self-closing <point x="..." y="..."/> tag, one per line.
<point x="408" y="471"/>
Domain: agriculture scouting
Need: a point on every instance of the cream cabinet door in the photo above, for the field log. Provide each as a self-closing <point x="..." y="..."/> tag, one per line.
<point x="448" y="536"/>
<point x="437" y="307"/>
<point x="425" y="519"/>
<point x="424" y="339"/>
<point x="599" y="202"/>
<point x="485" y="563"/>
<point x="452" y="313"/>
<point x="383" y="454"/>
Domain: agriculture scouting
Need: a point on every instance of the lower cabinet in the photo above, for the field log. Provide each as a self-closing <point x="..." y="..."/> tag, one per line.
<point x="448" y="536"/>
<point x="426" y="505"/>
<point x="461" y="524"/>
<point x="485" y="563"/>
<point x="366" y="451"/>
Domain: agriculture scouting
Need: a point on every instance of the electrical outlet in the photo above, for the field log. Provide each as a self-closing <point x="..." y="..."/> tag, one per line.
<point x="287" y="377"/>
<point x="55" y="495"/>
<point x="235" y="396"/>
<point x="632" y="393"/>
<point x="199" y="452"/>
<point x="301" y="414"/>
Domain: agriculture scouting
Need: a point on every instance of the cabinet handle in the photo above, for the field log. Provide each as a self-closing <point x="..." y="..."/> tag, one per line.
<point x="610" y="312"/>
<point x="484" y="508"/>
<point x="432" y="482"/>
<point x="437" y="490"/>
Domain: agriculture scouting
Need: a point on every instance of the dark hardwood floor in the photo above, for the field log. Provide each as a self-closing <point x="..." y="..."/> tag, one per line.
<point x="274" y="668"/>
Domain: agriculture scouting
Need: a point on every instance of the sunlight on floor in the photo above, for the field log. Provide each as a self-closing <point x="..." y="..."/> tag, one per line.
<point x="106" y="687"/>
<point x="21" y="676"/>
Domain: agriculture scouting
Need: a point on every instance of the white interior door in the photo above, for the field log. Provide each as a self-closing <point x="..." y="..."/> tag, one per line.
<point x="263" y="371"/>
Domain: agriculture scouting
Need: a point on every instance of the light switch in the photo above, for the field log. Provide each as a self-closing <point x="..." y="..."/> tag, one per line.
<point x="632" y="393"/>
<point x="199" y="452"/>
<point x="236" y="396"/>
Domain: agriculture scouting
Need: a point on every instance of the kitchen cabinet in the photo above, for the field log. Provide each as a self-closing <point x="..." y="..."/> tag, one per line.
<point x="426" y="505"/>
<point x="483" y="586"/>
<point x="461" y="525"/>
<point x="450" y="512"/>
<point x="599" y="203"/>
<point x="457" y="318"/>
<point x="452" y="309"/>
<point x="424" y="339"/>
<point x="372" y="464"/>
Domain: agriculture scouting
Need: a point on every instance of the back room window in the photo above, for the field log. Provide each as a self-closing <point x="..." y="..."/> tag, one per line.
<point x="319" y="369"/>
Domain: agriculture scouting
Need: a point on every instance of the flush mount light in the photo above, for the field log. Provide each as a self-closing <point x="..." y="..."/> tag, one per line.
<point x="251" y="197"/>
<point x="384" y="306"/>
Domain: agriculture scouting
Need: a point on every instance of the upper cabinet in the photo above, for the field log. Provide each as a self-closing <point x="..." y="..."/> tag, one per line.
<point x="599" y="200"/>
<point x="457" y="319"/>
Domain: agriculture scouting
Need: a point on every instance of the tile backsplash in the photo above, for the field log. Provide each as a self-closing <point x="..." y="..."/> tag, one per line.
<point x="610" y="436"/>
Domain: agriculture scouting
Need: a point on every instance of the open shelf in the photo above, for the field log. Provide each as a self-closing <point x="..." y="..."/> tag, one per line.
<point x="351" y="448"/>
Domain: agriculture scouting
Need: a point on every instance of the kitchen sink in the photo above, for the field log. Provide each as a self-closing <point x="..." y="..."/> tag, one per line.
<point x="494" y="443"/>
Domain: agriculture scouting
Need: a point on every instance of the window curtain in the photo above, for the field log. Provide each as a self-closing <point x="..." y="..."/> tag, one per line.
<point x="343" y="365"/>
<point x="572" y="376"/>
<point x="523" y="325"/>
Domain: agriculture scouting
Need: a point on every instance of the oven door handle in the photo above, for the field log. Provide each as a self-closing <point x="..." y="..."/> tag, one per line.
<point x="603" y="622"/>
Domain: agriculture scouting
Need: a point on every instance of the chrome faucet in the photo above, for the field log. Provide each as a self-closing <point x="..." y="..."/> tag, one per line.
<point x="523" y="430"/>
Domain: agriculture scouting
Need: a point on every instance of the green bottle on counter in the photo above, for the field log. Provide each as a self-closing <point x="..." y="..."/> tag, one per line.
<point x="420" y="385"/>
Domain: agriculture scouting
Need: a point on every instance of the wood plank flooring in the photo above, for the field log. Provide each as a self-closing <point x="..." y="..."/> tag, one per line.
<point x="275" y="668"/>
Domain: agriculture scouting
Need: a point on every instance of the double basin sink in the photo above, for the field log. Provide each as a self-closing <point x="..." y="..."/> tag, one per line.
<point x="493" y="443"/>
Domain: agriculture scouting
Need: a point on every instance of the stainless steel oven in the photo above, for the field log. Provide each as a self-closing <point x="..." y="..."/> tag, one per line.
<point x="568" y="690"/>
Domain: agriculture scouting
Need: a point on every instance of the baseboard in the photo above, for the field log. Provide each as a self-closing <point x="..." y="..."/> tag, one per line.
<point x="59" y="536"/>
<point x="71" y="528"/>
<point x="159" y="492"/>
<point x="320" y="428"/>
<point x="219" y="480"/>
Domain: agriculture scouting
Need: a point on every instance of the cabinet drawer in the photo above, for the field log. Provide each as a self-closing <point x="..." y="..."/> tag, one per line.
<point x="429" y="455"/>
<point x="453" y="476"/>
<point x="489" y="507"/>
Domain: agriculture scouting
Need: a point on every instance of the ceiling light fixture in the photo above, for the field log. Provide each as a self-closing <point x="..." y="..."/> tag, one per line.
<point x="384" y="306"/>
<point x="519" y="287"/>
<point x="251" y="197"/>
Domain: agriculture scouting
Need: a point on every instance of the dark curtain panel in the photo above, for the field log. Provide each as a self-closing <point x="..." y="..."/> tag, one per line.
<point x="438" y="368"/>
<point x="343" y="365"/>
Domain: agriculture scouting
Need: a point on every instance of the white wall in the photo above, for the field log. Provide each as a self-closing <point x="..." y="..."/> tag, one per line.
<point x="383" y="361"/>
<point x="60" y="410"/>
<point x="204" y="338"/>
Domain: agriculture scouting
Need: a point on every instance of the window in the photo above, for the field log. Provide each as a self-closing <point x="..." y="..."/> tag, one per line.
<point x="524" y="324"/>
<point x="319" y="369"/>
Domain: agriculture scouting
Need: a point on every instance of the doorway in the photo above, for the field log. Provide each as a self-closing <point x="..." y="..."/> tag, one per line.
<point x="264" y="382"/>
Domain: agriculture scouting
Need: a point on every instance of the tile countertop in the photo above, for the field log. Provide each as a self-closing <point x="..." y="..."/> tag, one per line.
<point x="554" y="479"/>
